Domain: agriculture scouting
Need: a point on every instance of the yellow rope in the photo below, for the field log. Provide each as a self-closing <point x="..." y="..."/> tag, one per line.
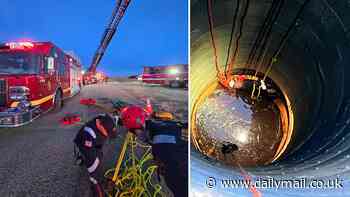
<point x="135" y="178"/>
<point x="121" y="157"/>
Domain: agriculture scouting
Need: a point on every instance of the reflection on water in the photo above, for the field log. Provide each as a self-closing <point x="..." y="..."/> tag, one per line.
<point x="231" y="116"/>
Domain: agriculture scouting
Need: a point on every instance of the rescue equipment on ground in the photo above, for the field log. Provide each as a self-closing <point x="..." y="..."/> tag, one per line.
<point x="71" y="119"/>
<point x="132" y="175"/>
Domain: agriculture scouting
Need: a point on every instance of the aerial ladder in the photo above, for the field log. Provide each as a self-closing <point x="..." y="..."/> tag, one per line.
<point x="117" y="15"/>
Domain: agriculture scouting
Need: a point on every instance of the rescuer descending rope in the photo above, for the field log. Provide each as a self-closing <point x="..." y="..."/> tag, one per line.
<point x="282" y="43"/>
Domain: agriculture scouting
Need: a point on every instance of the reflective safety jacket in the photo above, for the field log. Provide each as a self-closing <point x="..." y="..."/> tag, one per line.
<point x="90" y="142"/>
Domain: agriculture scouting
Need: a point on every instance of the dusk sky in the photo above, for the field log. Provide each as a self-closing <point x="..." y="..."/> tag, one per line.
<point x="151" y="32"/>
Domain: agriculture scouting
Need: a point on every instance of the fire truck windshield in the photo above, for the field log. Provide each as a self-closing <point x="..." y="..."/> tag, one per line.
<point x="18" y="63"/>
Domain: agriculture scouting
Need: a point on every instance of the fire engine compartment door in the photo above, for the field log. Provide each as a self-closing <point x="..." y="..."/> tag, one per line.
<point x="63" y="65"/>
<point x="74" y="79"/>
<point x="45" y="79"/>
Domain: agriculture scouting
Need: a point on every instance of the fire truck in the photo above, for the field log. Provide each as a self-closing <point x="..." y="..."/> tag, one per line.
<point x="94" y="77"/>
<point x="35" y="77"/>
<point x="101" y="77"/>
<point x="174" y="76"/>
<point x="89" y="78"/>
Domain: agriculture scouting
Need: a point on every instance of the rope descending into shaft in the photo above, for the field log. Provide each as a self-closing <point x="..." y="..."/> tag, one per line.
<point x="211" y="27"/>
<point x="264" y="32"/>
<point x="281" y="45"/>
<point x="285" y="38"/>
<point x="238" y="38"/>
<point x="226" y="76"/>
<point x="262" y="40"/>
<point x="267" y="36"/>
<point x="233" y="27"/>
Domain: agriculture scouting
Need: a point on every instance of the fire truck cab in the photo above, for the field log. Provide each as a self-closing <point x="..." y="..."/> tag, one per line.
<point x="34" y="78"/>
<point x="173" y="75"/>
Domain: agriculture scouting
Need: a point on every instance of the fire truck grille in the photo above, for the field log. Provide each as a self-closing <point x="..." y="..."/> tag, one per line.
<point x="3" y="92"/>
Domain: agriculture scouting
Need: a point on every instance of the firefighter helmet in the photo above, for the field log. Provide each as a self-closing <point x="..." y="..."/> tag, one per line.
<point x="133" y="117"/>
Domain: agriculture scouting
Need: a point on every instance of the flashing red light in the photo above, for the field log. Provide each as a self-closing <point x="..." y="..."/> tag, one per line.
<point x="19" y="45"/>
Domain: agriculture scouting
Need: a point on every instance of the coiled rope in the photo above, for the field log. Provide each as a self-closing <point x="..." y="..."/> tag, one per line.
<point x="132" y="174"/>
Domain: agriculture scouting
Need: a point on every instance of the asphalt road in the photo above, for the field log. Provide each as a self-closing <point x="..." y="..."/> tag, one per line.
<point x="37" y="159"/>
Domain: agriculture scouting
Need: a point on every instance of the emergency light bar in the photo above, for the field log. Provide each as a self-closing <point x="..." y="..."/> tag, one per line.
<point x="19" y="45"/>
<point x="174" y="71"/>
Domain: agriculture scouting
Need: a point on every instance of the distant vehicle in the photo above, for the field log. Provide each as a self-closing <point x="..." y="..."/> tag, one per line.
<point x="132" y="77"/>
<point x="94" y="77"/>
<point x="89" y="78"/>
<point x="101" y="77"/>
<point x="34" y="78"/>
<point x="174" y="76"/>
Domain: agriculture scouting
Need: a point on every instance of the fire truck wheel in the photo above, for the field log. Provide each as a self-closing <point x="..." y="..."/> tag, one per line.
<point x="174" y="84"/>
<point x="58" y="102"/>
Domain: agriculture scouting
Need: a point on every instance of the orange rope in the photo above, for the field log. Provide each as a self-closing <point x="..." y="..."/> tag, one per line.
<point x="211" y="27"/>
<point x="248" y="179"/>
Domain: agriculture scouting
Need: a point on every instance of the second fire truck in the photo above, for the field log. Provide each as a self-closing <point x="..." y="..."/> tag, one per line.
<point x="173" y="75"/>
<point x="94" y="78"/>
<point x="34" y="78"/>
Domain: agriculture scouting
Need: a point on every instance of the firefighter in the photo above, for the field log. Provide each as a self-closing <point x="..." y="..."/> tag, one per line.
<point x="90" y="140"/>
<point x="168" y="149"/>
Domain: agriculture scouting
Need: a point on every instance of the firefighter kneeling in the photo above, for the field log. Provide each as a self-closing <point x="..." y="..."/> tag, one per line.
<point x="90" y="140"/>
<point x="168" y="149"/>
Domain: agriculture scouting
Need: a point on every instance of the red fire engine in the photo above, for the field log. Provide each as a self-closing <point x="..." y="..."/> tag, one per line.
<point x="173" y="75"/>
<point x="34" y="78"/>
<point x="94" y="77"/>
<point x="89" y="78"/>
<point x="101" y="77"/>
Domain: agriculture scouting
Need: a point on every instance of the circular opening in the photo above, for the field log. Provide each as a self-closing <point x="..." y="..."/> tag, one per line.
<point x="247" y="123"/>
